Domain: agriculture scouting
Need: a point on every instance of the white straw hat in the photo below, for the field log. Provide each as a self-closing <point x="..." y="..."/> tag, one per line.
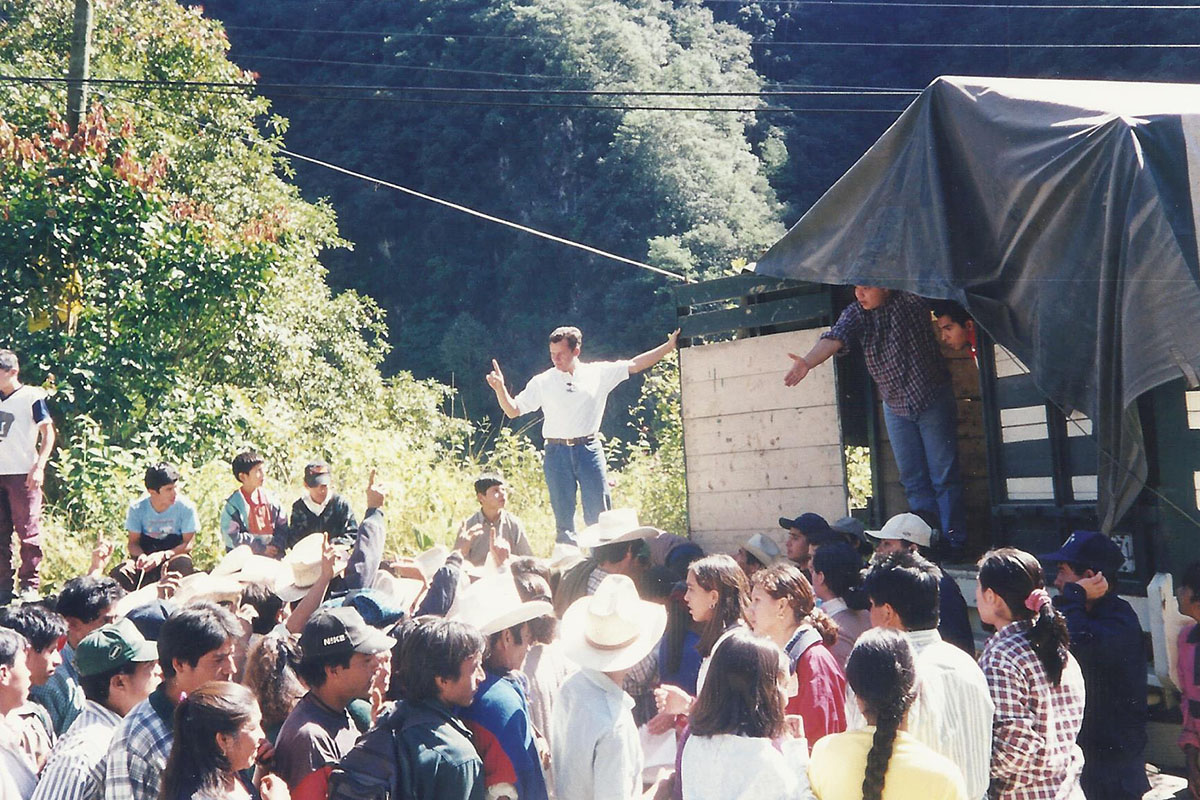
<point x="492" y="604"/>
<point x="613" y="629"/>
<point x="615" y="525"/>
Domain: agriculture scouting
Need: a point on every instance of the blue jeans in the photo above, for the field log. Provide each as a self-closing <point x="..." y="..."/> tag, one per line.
<point x="926" y="450"/>
<point x="566" y="466"/>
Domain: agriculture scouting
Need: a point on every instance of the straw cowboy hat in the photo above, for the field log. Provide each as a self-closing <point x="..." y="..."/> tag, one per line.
<point x="203" y="586"/>
<point x="492" y="604"/>
<point x="763" y="548"/>
<point x="304" y="564"/>
<point x="615" y="525"/>
<point x="613" y="629"/>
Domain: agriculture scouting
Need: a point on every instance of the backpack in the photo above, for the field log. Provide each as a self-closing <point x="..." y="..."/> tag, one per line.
<point x="376" y="768"/>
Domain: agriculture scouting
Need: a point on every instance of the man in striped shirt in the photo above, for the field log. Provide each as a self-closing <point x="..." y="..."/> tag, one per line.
<point x="117" y="669"/>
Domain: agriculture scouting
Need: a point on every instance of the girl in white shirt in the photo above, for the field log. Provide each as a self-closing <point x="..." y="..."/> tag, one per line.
<point x="741" y="745"/>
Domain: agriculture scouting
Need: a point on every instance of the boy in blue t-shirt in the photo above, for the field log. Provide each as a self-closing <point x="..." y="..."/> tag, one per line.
<point x="161" y="527"/>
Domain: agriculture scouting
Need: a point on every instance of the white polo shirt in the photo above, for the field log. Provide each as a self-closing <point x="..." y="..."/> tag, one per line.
<point x="573" y="403"/>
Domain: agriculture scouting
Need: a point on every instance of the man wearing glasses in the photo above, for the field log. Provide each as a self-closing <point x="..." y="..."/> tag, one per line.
<point x="572" y="395"/>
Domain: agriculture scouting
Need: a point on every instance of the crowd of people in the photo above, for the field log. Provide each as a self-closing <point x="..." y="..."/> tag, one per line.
<point x="632" y="665"/>
<point x="818" y="660"/>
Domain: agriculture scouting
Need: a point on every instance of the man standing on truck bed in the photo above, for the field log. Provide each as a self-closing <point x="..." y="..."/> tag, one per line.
<point x="572" y="395"/>
<point x="895" y="331"/>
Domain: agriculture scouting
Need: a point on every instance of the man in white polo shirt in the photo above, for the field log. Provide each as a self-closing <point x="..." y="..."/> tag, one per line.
<point x="26" y="439"/>
<point x="572" y="395"/>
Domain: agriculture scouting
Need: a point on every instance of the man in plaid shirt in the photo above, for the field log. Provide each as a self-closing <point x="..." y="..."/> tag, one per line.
<point x="195" y="646"/>
<point x="895" y="331"/>
<point x="1034" y="754"/>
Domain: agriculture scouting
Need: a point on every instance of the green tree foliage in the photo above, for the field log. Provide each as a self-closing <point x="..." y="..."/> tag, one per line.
<point x="685" y="190"/>
<point x="160" y="262"/>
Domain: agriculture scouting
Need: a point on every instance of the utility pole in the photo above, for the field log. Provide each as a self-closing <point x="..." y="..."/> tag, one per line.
<point x="77" y="74"/>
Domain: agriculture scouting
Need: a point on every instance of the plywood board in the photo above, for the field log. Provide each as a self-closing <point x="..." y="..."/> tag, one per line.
<point x="762" y="507"/>
<point x="761" y="430"/>
<point x="757" y="450"/>
<point x="756" y="355"/>
<point x="766" y="469"/>
<point x="746" y="375"/>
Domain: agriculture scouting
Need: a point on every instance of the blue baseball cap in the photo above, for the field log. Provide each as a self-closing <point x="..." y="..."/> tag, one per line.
<point x="1095" y="550"/>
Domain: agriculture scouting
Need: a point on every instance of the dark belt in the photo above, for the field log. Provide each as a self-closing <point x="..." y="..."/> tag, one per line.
<point x="572" y="442"/>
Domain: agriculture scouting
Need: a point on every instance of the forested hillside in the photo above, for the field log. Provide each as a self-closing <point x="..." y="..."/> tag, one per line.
<point x="683" y="190"/>
<point x="687" y="191"/>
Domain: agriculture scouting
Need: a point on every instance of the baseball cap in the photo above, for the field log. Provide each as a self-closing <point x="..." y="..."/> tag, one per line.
<point x="112" y="646"/>
<point x="338" y="631"/>
<point x="813" y="526"/>
<point x="316" y="473"/>
<point x="851" y="528"/>
<point x="1094" y="549"/>
<point x="907" y="527"/>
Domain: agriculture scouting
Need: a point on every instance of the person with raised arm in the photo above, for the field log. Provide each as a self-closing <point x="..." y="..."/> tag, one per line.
<point x="572" y="395"/>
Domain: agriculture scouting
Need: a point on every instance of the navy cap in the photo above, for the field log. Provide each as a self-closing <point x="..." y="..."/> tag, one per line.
<point x="1095" y="550"/>
<point x="813" y="526"/>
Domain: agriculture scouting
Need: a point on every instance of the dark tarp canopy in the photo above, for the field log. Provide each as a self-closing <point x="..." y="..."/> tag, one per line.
<point x="1060" y="214"/>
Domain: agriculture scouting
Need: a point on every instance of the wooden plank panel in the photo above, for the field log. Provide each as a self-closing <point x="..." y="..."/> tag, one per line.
<point x="736" y="510"/>
<point x="761" y="430"/>
<point x="754" y="355"/>
<point x="766" y="469"/>
<point x="728" y="541"/>
<point x="805" y="308"/>
<point x="735" y="286"/>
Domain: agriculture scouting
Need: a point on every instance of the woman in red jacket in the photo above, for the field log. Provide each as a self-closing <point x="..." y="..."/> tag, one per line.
<point x="782" y="609"/>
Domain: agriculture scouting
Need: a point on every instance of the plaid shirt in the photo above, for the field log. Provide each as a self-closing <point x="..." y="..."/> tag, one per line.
<point x="139" y="750"/>
<point x="1034" y="754"/>
<point x="902" y="354"/>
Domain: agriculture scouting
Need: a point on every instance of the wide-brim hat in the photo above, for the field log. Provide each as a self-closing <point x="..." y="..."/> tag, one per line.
<point x="615" y="525"/>
<point x="203" y="586"/>
<point x="763" y="548"/>
<point x="613" y="629"/>
<point x="492" y="604"/>
<point x="907" y="527"/>
<point x="303" y="563"/>
<point x="563" y="553"/>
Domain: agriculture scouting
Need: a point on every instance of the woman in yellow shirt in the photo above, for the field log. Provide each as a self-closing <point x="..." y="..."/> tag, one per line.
<point x="882" y="762"/>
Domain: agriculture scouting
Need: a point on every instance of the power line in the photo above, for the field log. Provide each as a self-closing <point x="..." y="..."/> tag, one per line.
<point x="413" y="67"/>
<point x="999" y="6"/>
<point x="242" y="89"/>
<point x="376" y="65"/>
<point x="880" y="3"/>
<point x="462" y="89"/>
<point x="430" y="198"/>
<point x="770" y="42"/>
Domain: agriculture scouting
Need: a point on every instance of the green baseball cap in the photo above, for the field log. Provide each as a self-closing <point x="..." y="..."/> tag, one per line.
<point x="112" y="646"/>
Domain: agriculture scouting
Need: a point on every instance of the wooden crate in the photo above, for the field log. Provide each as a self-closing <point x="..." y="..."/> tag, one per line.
<point x="756" y="449"/>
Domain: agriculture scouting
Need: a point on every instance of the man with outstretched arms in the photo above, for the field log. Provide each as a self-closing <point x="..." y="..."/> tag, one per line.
<point x="572" y="395"/>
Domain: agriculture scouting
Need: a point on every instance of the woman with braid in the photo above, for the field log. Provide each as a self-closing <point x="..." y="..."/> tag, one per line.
<point x="1035" y="683"/>
<point x="882" y="761"/>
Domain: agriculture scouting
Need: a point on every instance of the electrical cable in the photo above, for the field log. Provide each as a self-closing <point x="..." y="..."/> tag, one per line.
<point x="431" y="198"/>
<point x="464" y="89"/>
<point x="238" y="89"/>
